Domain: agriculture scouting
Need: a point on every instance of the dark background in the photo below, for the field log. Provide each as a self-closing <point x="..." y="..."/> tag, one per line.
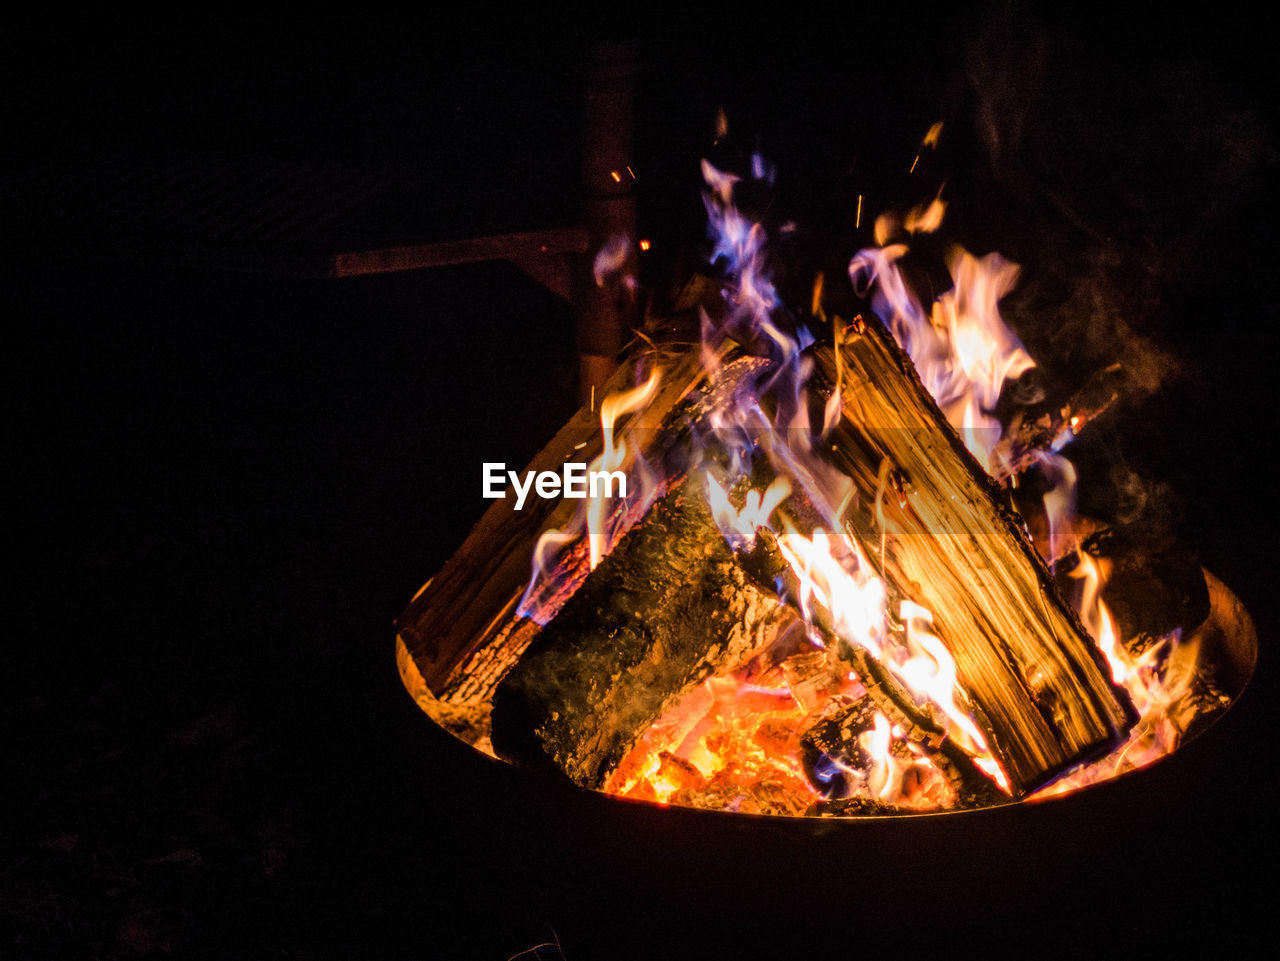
<point x="229" y="482"/>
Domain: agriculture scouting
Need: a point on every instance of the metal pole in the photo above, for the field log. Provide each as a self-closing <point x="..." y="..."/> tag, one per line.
<point x="608" y="311"/>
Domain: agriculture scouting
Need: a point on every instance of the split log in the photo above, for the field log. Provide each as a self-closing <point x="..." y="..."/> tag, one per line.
<point x="467" y="612"/>
<point x="668" y="607"/>
<point x="943" y="537"/>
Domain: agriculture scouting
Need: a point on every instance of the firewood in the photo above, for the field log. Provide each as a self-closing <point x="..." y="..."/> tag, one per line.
<point x="668" y="607"/>
<point x="671" y="604"/>
<point x="942" y="536"/>
<point x="1154" y="586"/>
<point x="468" y="610"/>
<point x="1030" y="434"/>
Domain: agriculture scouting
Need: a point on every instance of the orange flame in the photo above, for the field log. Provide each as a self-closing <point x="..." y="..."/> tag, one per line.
<point x="1096" y="616"/>
<point x="599" y="519"/>
<point x="961" y="347"/>
<point x="614" y="456"/>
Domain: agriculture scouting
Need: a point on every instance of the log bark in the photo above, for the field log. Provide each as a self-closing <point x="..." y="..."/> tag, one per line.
<point x="943" y="537"/>
<point x="668" y="607"/>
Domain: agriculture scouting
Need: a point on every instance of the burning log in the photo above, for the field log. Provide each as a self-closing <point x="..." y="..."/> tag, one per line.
<point x="1028" y="437"/>
<point x="814" y="601"/>
<point x="668" y="607"/>
<point x="1036" y="682"/>
<point x="468" y="610"/>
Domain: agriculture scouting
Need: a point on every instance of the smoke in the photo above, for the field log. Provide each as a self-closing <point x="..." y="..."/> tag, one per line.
<point x="1124" y="162"/>
<point x="1115" y="167"/>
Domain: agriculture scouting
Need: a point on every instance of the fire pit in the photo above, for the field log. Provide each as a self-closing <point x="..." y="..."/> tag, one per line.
<point x="798" y="567"/>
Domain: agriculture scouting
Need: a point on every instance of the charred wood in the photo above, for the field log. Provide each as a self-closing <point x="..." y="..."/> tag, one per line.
<point x="668" y="607"/>
<point x="834" y="737"/>
<point x="1152" y="588"/>
<point x="1030" y="434"/>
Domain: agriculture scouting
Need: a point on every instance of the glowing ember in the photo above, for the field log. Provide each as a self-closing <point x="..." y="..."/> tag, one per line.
<point x="730" y="744"/>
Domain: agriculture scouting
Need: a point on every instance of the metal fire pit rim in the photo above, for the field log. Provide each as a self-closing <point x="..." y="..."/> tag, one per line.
<point x="1229" y="629"/>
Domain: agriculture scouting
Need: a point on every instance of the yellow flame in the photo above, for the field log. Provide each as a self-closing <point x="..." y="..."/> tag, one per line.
<point x="885" y="778"/>
<point x="983" y="353"/>
<point x="1095" y="615"/>
<point x="854" y="601"/>
<point x="613" y="456"/>
<point x="741" y="525"/>
<point x="925" y="220"/>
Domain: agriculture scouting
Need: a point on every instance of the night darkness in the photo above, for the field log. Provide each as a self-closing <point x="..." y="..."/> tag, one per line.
<point x="231" y="477"/>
